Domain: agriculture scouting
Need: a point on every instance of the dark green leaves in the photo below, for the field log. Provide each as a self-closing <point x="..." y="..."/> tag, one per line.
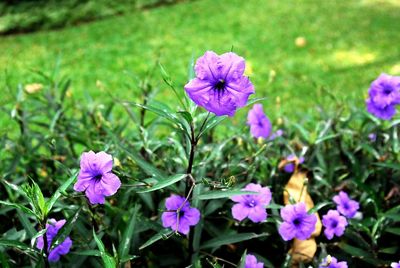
<point x="164" y="183"/>
<point x="108" y="260"/>
<point x="230" y="239"/>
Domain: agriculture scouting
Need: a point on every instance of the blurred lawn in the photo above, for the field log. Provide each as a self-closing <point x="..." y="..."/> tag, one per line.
<point x="348" y="43"/>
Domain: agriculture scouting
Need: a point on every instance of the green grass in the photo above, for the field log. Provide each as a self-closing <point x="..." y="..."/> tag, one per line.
<point x="348" y="44"/>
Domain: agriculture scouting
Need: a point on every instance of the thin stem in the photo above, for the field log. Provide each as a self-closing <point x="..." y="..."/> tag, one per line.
<point x="218" y="258"/>
<point x="202" y="126"/>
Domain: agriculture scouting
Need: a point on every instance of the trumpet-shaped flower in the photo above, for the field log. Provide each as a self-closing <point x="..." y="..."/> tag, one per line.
<point x="179" y="215"/>
<point x="384" y="94"/>
<point x="334" y="224"/>
<point x="346" y="206"/>
<point x="252" y="206"/>
<point x="220" y="85"/>
<point x="95" y="177"/>
<point x="63" y="248"/>
<point x="297" y="223"/>
<point x="260" y="125"/>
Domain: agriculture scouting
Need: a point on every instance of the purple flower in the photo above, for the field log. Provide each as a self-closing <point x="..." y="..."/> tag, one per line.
<point x="289" y="168"/>
<point x="334" y="224"/>
<point x="52" y="229"/>
<point x="95" y="177"/>
<point x="297" y="223"/>
<point x="385" y="113"/>
<point x="395" y="265"/>
<point x="252" y="206"/>
<point x="251" y="262"/>
<point x="331" y="262"/>
<point x="372" y="137"/>
<point x="260" y="125"/>
<point x="276" y="134"/>
<point x="179" y="220"/>
<point x="220" y="86"/>
<point x="384" y="94"/>
<point x="346" y="206"/>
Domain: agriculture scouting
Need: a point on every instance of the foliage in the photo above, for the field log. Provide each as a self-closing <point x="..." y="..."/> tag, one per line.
<point x="151" y="144"/>
<point x="29" y="16"/>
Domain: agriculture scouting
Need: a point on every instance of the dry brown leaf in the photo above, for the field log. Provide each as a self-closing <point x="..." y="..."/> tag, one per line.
<point x="296" y="189"/>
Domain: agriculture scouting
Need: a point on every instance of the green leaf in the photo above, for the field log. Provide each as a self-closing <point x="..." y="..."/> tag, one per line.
<point x="125" y="242"/>
<point x="40" y="233"/>
<point x="17" y="244"/>
<point x="318" y="207"/>
<point x="50" y="203"/>
<point x="223" y="194"/>
<point x="89" y="252"/>
<point x="242" y="262"/>
<point x="230" y="239"/>
<point x="212" y="123"/>
<point x="20" y="207"/>
<point x="128" y="258"/>
<point x="164" y="183"/>
<point x="163" y="234"/>
<point x="109" y="261"/>
<point x="393" y="230"/>
<point x="353" y="251"/>
<point x="65" y="230"/>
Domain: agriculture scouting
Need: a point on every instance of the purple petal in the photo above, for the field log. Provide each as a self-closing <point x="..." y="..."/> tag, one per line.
<point x="93" y="196"/>
<point x="82" y="184"/>
<point x="192" y="215"/>
<point x="168" y="219"/>
<point x="199" y="91"/>
<point x="240" y="212"/>
<point x="257" y="214"/>
<point x="104" y="162"/>
<point x="174" y="202"/>
<point x="232" y="66"/>
<point x="110" y="184"/>
<point x="184" y="226"/>
<point x="287" y="231"/>
<point x="206" y="66"/>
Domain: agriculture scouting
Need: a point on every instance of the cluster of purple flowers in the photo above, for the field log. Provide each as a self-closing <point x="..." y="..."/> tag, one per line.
<point x="384" y="95"/>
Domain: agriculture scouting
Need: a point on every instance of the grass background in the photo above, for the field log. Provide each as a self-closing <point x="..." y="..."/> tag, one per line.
<point x="349" y="43"/>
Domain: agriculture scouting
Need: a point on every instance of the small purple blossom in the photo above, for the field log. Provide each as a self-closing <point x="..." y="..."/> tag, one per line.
<point x="276" y="134"/>
<point x="297" y="223"/>
<point x="179" y="220"/>
<point x="63" y="248"/>
<point x="289" y="168"/>
<point x="384" y="94"/>
<point x="395" y="264"/>
<point x="220" y="85"/>
<point x="95" y="177"/>
<point x="372" y="137"/>
<point x="252" y="206"/>
<point x="260" y="125"/>
<point x="334" y="224"/>
<point x="331" y="262"/>
<point x="251" y="262"/>
<point x="346" y="206"/>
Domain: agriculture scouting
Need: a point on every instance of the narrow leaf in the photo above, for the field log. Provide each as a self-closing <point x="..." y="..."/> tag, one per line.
<point x="223" y="194"/>
<point x="163" y="234"/>
<point x="125" y="243"/>
<point x="65" y="229"/>
<point x="50" y="203"/>
<point x="164" y="183"/>
<point x="108" y="261"/>
<point x="230" y="239"/>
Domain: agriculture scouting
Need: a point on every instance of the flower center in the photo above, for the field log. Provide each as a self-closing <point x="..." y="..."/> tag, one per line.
<point x="346" y="206"/>
<point x="252" y="203"/>
<point x="181" y="213"/>
<point x="334" y="224"/>
<point x="297" y="222"/>
<point x="220" y="85"/>
<point x="97" y="177"/>
<point x="387" y="90"/>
